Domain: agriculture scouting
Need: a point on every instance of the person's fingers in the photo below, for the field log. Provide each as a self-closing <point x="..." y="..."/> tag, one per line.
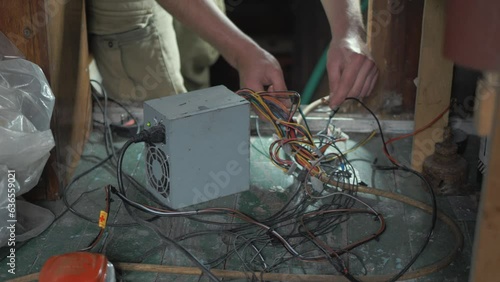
<point x="361" y="78"/>
<point x="334" y="73"/>
<point x="374" y="81"/>
<point x="255" y="86"/>
<point x="347" y="80"/>
<point x="277" y="80"/>
<point x="368" y="81"/>
<point x="365" y="91"/>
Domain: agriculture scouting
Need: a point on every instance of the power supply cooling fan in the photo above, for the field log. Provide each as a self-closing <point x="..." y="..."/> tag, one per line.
<point x="213" y="123"/>
<point x="157" y="170"/>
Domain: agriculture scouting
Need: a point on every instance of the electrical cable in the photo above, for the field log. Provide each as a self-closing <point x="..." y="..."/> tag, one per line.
<point x="70" y="207"/>
<point x="121" y="105"/>
<point x="431" y="123"/>
<point x="419" y="175"/>
<point x="102" y="222"/>
<point x="108" y="143"/>
<point x="108" y="135"/>
<point x="149" y="225"/>
<point x="312" y="106"/>
<point x="271" y="112"/>
<point x="295" y="226"/>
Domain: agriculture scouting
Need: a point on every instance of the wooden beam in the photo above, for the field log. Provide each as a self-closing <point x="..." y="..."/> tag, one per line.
<point x="486" y="95"/>
<point x="68" y="53"/>
<point x="486" y="250"/>
<point x="434" y="83"/>
<point x="393" y="31"/>
<point x="53" y="35"/>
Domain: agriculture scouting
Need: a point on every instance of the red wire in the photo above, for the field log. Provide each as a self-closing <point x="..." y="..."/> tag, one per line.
<point x="412" y="134"/>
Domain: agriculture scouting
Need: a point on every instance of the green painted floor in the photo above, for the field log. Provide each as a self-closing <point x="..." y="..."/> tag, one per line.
<point x="270" y="188"/>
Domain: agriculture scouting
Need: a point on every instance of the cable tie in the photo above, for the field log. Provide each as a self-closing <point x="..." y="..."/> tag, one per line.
<point x="316" y="184"/>
<point x="287" y="148"/>
<point x="292" y="168"/>
<point x="318" y="152"/>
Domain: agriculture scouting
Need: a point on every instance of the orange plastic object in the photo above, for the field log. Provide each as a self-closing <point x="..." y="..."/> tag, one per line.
<point x="75" y="267"/>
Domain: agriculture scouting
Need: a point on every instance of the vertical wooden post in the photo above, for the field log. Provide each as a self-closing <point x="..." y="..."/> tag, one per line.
<point x="53" y="35"/>
<point x="68" y="52"/>
<point x="393" y="36"/>
<point x="486" y="250"/>
<point x="434" y="83"/>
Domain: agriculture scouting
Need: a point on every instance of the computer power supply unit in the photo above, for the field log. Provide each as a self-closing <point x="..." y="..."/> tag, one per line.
<point x="206" y="151"/>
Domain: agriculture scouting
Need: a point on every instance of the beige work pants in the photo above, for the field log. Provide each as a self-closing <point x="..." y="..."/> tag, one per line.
<point x="142" y="53"/>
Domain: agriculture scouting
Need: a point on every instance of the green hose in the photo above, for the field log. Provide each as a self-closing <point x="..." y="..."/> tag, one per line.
<point x="314" y="79"/>
<point x="319" y="70"/>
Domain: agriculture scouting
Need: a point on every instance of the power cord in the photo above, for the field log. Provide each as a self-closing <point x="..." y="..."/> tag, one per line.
<point x="398" y="166"/>
<point x="154" y="135"/>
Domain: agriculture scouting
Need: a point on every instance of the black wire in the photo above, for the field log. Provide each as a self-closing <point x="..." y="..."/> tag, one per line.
<point x="66" y="190"/>
<point x="70" y="207"/>
<point x="108" y="134"/>
<point x="151" y="226"/>
<point x="286" y="217"/>
<point x="419" y="175"/>
<point x="101" y="229"/>
<point x="136" y="205"/>
<point x="116" y="101"/>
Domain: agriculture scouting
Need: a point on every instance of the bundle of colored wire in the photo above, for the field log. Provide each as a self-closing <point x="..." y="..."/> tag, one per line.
<point x="323" y="199"/>
<point x="300" y="226"/>
<point x="292" y="137"/>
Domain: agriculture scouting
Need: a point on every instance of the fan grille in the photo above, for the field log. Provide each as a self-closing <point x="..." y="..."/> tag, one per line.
<point x="157" y="169"/>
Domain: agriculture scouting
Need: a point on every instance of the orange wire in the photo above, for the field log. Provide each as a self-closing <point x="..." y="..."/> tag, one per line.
<point x="413" y="134"/>
<point x="420" y="129"/>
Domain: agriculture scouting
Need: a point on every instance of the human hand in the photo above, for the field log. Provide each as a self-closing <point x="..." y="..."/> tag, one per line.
<point x="259" y="70"/>
<point x="351" y="71"/>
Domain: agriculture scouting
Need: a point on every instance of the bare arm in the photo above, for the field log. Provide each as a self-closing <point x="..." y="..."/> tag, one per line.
<point x="351" y="71"/>
<point x="257" y="68"/>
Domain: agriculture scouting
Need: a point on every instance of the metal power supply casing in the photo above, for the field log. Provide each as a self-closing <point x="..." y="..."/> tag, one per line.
<point x="206" y="152"/>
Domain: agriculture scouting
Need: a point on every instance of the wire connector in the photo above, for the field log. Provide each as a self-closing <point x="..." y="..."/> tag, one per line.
<point x="155" y="134"/>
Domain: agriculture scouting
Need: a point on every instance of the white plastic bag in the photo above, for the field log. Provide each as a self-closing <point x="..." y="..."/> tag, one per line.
<point x="26" y="104"/>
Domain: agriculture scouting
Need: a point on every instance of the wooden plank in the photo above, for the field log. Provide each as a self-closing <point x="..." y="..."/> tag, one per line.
<point x="393" y="31"/>
<point x="24" y="25"/>
<point x="53" y="35"/>
<point x="486" y="250"/>
<point x="434" y="83"/>
<point x="412" y="36"/>
<point x="68" y="53"/>
<point x="485" y="103"/>
<point x="82" y="115"/>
